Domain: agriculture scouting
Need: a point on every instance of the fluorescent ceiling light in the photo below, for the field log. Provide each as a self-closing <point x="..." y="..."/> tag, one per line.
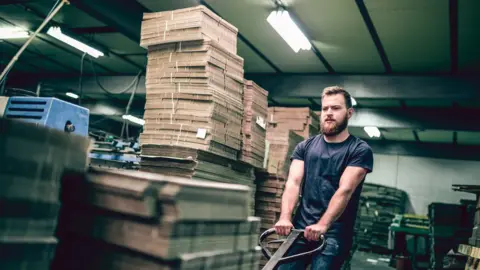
<point x="56" y="32"/>
<point x="134" y="119"/>
<point x="354" y="102"/>
<point x="12" y="32"/>
<point x="288" y="30"/>
<point x="372" y="132"/>
<point x="72" y="95"/>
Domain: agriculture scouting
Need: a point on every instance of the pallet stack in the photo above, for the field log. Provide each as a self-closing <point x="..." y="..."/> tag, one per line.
<point x="114" y="219"/>
<point x="194" y="108"/>
<point x="33" y="159"/>
<point x="254" y="124"/>
<point x="302" y="121"/>
<point x="377" y="209"/>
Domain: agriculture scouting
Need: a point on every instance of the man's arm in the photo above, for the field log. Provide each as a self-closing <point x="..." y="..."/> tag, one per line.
<point x="292" y="189"/>
<point x="290" y="197"/>
<point x="351" y="178"/>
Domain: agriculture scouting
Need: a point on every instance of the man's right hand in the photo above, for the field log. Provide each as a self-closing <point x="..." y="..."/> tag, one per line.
<point x="283" y="227"/>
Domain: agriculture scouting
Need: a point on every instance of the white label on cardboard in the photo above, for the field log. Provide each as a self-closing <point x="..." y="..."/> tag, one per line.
<point x="201" y="133"/>
<point x="261" y="122"/>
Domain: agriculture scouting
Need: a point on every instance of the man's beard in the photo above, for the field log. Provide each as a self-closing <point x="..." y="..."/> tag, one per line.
<point x="333" y="128"/>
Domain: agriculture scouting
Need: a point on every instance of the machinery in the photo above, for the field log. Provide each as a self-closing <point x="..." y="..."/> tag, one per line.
<point x="49" y="112"/>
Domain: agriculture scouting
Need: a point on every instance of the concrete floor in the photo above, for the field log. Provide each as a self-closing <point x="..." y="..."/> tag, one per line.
<point x="370" y="261"/>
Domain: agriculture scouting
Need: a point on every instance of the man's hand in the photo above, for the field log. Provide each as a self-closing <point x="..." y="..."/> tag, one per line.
<point x="283" y="227"/>
<point x="313" y="232"/>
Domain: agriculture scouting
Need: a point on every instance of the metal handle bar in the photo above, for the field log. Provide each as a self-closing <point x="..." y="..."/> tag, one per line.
<point x="271" y="231"/>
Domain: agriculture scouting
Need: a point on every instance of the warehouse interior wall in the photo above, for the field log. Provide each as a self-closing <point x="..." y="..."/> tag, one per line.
<point x="425" y="180"/>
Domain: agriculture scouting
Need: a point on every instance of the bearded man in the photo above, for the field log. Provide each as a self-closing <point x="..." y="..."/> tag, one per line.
<point x="329" y="170"/>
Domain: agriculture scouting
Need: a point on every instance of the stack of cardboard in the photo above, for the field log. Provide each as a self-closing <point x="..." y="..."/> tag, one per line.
<point x="188" y="24"/>
<point x="254" y="124"/>
<point x="33" y="159"/>
<point x="115" y="219"/>
<point x="194" y="98"/>
<point x="191" y="163"/>
<point x="194" y="81"/>
<point x="281" y="145"/>
<point x="303" y="121"/>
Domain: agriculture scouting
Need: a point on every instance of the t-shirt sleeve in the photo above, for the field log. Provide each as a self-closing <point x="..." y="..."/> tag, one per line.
<point x="362" y="157"/>
<point x="299" y="152"/>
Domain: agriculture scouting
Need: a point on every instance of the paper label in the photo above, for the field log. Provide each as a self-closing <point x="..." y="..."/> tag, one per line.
<point x="261" y="122"/>
<point x="201" y="133"/>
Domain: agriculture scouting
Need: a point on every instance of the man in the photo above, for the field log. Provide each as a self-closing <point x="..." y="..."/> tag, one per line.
<point x="333" y="166"/>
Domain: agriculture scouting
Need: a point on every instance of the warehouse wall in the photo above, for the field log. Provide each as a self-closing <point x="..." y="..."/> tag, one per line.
<point x="425" y="180"/>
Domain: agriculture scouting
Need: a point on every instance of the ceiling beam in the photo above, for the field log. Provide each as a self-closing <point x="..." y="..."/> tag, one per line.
<point x="429" y="150"/>
<point x="124" y="16"/>
<point x="453" y="19"/>
<point x="370" y="86"/>
<point x="93" y="30"/>
<point x="373" y="33"/>
<point x="417" y="118"/>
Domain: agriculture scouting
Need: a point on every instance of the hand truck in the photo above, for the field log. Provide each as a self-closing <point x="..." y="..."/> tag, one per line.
<point x="276" y="259"/>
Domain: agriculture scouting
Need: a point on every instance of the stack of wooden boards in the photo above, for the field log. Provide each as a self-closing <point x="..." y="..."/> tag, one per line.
<point x="199" y="110"/>
<point x="114" y="219"/>
<point x="33" y="159"/>
<point x="378" y="206"/>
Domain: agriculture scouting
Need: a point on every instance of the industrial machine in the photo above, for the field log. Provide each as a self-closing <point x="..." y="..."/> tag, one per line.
<point x="49" y="112"/>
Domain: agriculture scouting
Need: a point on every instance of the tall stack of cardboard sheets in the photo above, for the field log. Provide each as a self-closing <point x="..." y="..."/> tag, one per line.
<point x="194" y="98"/>
<point x="115" y="219"/>
<point x="271" y="183"/>
<point x="302" y="121"/>
<point x="194" y="81"/>
<point x="33" y="159"/>
<point x="254" y="124"/>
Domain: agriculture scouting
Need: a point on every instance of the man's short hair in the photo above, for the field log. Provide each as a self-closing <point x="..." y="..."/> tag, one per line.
<point x="335" y="90"/>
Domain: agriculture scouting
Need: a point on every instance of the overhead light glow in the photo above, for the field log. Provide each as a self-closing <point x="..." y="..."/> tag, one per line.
<point x="56" y="32"/>
<point x="281" y="21"/>
<point x="72" y="95"/>
<point x="372" y="132"/>
<point x="354" y="102"/>
<point x="12" y="32"/>
<point x="134" y="119"/>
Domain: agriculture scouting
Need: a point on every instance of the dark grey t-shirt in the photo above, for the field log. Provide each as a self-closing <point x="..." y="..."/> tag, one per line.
<point x="324" y="165"/>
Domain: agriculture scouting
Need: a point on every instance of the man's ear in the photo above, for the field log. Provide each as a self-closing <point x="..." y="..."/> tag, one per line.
<point x="350" y="112"/>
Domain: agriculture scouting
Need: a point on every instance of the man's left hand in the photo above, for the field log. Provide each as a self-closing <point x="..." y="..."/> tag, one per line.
<point x="313" y="232"/>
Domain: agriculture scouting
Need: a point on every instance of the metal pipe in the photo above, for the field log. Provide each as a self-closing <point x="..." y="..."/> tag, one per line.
<point x="15" y="58"/>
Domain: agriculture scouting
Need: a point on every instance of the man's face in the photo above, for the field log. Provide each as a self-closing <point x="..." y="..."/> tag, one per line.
<point x="334" y="117"/>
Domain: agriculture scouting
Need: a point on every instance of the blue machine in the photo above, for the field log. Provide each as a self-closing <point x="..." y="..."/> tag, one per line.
<point x="49" y="112"/>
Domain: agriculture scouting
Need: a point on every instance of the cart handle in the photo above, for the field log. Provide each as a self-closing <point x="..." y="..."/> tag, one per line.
<point x="271" y="231"/>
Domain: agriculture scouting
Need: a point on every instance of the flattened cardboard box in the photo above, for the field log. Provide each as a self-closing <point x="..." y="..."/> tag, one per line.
<point x="189" y="24"/>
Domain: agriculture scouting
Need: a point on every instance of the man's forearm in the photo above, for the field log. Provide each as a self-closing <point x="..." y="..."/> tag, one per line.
<point x="337" y="205"/>
<point x="289" y="199"/>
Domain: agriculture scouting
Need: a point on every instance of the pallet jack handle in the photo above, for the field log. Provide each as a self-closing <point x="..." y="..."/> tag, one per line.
<point x="277" y="258"/>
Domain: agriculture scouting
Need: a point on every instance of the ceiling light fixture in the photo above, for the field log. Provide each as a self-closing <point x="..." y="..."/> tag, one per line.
<point x="72" y="95"/>
<point x="372" y="131"/>
<point x="12" y="32"/>
<point x="56" y="32"/>
<point x="281" y="21"/>
<point x="134" y="119"/>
